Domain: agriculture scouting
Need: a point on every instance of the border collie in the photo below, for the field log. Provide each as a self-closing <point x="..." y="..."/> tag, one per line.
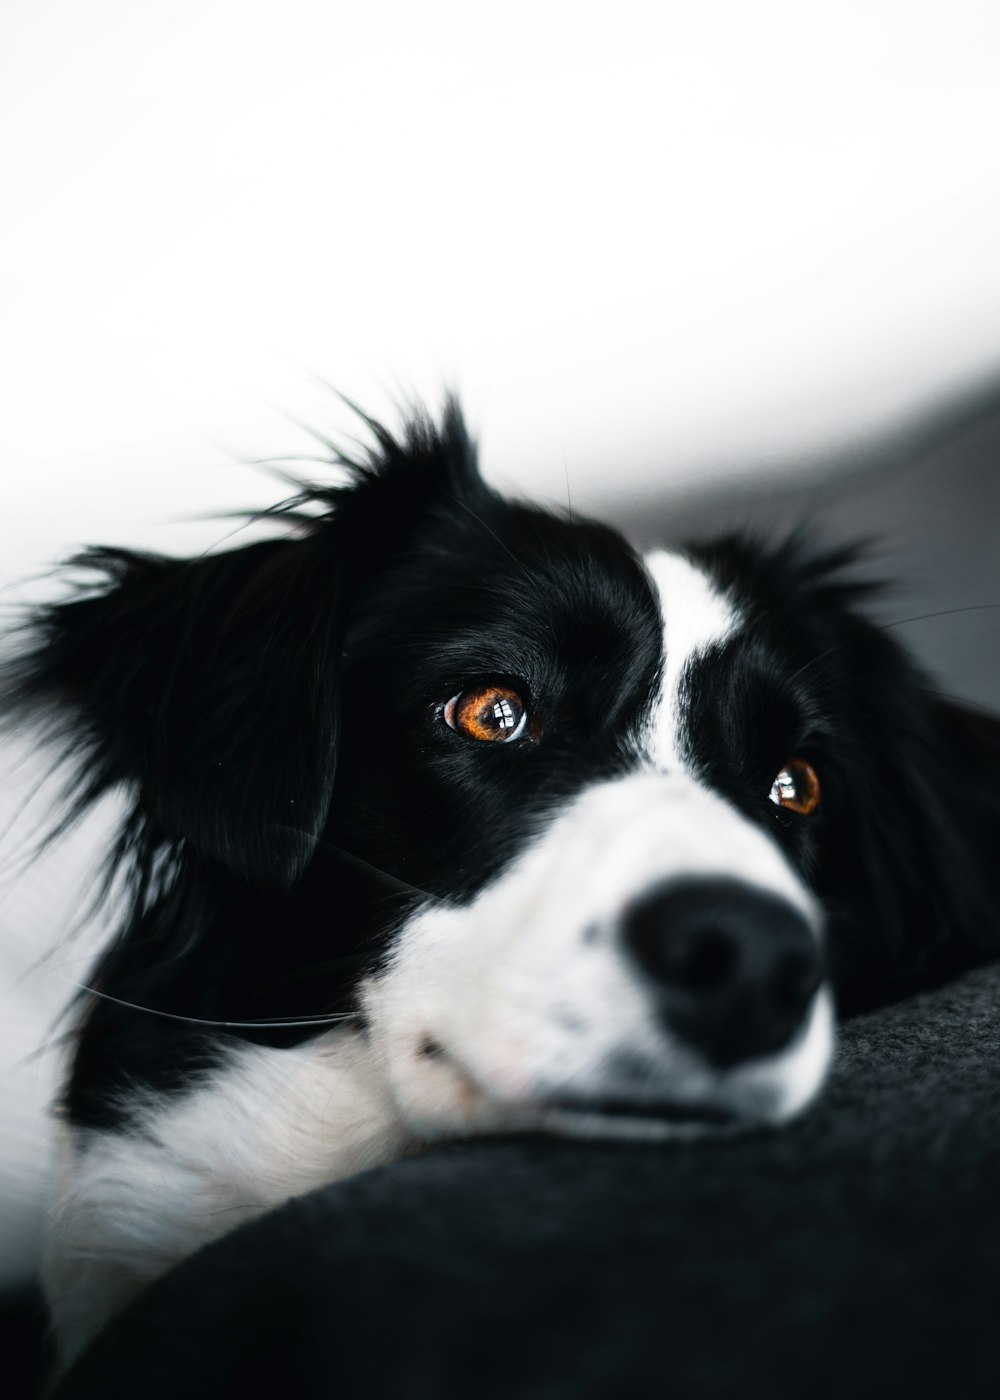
<point x="449" y="815"/>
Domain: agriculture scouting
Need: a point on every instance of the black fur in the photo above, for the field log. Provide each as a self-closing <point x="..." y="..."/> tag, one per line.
<point x="900" y="849"/>
<point x="274" y="713"/>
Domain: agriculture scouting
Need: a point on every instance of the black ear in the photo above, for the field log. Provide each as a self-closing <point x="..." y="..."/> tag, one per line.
<point x="909" y="835"/>
<point x="210" y="686"/>
<point x="207" y="685"/>
<point x="966" y="790"/>
<point x="910" y="858"/>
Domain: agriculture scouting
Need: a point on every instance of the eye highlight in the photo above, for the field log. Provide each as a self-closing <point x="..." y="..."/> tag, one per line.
<point x="796" y="788"/>
<point x="488" y="714"/>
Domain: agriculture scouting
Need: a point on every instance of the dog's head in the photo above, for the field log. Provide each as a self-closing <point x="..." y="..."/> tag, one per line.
<point x="588" y="838"/>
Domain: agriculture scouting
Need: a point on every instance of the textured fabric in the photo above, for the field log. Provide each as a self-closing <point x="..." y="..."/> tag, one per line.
<point x="856" y="1253"/>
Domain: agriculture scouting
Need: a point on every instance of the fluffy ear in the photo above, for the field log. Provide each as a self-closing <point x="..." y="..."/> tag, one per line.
<point x="207" y="685"/>
<point x="210" y="686"/>
<point x="909" y="856"/>
<point x="911" y="866"/>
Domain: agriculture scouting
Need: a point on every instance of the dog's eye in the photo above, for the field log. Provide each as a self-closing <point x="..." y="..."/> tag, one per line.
<point x="487" y="713"/>
<point x="796" y="787"/>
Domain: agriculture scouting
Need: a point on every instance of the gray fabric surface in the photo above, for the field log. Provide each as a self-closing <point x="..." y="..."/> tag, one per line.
<point x="856" y="1253"/>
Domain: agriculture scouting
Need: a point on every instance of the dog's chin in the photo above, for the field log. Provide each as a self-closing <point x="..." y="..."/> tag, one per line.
<point x="445" y="1091"/>
<point x="613" y="1119"/>
<point x="468" y="1109"/>
<point x="446" y="1100"/>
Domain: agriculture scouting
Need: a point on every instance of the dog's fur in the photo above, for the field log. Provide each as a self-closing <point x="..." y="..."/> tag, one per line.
<point x="351" y="928"/>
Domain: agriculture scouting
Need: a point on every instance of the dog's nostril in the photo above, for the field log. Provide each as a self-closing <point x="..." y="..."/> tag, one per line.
<point x="733" y="968"/>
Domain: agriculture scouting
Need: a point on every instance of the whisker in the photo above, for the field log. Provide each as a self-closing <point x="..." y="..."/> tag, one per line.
<point x="479" y="521"/>
<point x="264" y="1023"/>
<point x="363" y="864"/>
<point x="897" y="622"/>
<point x="895" y="723"/>
<point x="945" y="612"/>
<point x="963" y="700"/>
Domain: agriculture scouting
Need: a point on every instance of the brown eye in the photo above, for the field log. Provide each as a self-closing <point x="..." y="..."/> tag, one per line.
<point x="487" y="713"/>
<point x="796" y="787"/>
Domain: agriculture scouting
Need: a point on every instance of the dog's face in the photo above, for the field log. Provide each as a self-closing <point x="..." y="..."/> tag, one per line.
<point x="585" y="836"/>
<point x="618" y="939"/>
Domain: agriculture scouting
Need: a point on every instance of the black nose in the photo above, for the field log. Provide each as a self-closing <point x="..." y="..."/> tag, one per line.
<point x="734" y="967"/>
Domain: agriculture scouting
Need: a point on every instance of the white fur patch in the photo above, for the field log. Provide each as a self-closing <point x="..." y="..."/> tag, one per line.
<point x="269" y="1125"/>
<point x="695" y="617"/>
<point x="45" y="948"/>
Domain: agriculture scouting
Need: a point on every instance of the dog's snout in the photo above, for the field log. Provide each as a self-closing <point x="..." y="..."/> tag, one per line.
<point x="734" y="967"/>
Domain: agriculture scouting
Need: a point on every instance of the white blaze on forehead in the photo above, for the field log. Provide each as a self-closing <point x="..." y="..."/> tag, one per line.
<point x="696" y="617"/>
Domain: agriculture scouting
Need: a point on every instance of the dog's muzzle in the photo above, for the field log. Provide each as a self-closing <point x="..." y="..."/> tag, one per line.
<point x="651" y="961"/>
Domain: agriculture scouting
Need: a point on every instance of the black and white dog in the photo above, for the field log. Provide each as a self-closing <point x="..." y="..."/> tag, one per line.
<point x="451" y="815"/>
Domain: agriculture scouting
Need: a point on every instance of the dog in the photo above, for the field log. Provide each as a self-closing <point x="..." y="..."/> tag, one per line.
<point x="447" y="814"/>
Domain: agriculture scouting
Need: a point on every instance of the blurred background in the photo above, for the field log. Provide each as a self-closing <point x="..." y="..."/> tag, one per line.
<point x="685" y="263"/>
<point x="692" y="266"/>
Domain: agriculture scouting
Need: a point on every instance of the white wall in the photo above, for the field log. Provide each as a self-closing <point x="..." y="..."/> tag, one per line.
<point x="646" y="240"/>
